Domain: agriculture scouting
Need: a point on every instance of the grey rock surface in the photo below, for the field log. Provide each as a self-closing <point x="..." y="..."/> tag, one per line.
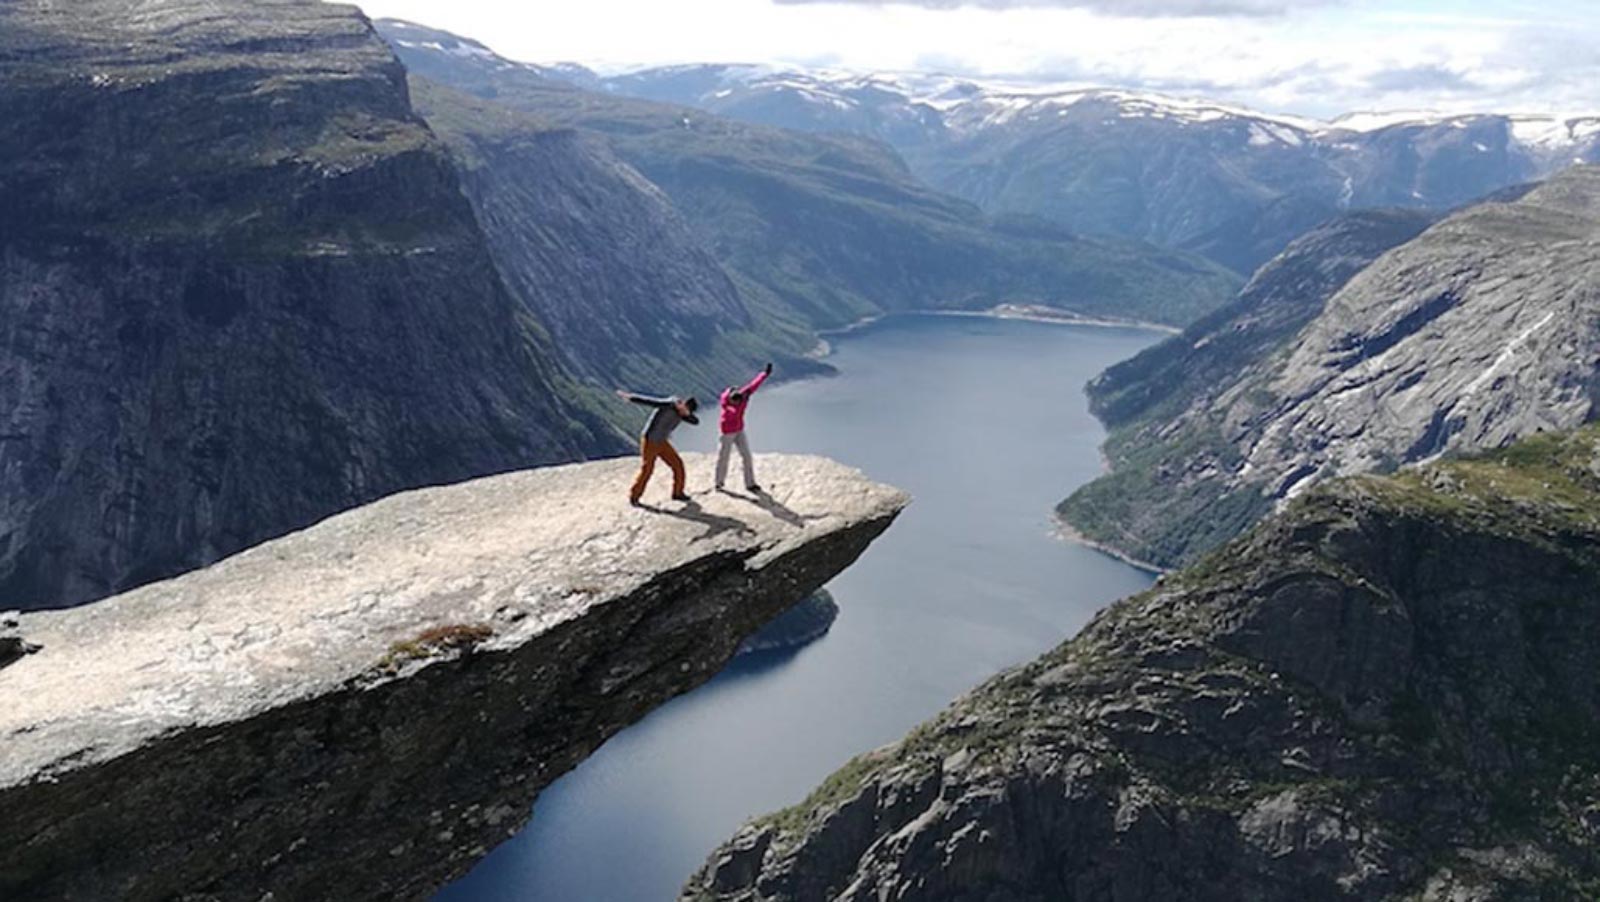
<point x="1387" y="692"/>
<point x="241" y="291"/>
<point x="1485" y="329"/>
<point x="361" y="709"/>
<point x="1480" y="330"/>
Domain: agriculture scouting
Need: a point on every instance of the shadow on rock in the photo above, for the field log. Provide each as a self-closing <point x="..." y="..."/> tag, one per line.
<point x="715" y="524"/>
<point x="776" y="508"/>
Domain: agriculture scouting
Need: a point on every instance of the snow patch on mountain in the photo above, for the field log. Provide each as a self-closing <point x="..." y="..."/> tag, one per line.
<point x="967" y="104"/>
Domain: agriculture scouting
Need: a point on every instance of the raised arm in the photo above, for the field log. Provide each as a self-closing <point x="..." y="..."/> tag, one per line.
<point x="645" y="400"/>
<point x="756" y="382"/>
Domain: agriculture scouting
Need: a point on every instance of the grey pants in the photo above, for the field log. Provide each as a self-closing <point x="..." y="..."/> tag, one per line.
<point x="729" y="442"/>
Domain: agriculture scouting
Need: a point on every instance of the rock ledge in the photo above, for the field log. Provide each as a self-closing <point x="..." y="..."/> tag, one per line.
<point x="364" y="707"/>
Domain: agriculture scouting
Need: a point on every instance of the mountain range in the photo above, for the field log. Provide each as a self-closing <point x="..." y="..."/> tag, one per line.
<point x="1230" y="183"/>
<point x="824" y="229"/>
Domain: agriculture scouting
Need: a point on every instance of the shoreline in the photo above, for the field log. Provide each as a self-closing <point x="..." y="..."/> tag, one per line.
<point x="1038" y="313"/>
<point x="1066" y="532"/>
<point x="1033" y="313"/>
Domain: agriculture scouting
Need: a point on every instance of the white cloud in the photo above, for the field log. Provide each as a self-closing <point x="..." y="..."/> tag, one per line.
<point x="1123" y="8"/>
<point x="1315" y="57"/>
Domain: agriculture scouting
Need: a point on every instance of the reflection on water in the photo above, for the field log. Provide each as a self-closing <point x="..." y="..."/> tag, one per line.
<point x="985" y="423"/>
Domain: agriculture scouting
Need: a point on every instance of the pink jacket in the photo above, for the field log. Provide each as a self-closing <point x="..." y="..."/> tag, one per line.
<point x="733" y="411"/>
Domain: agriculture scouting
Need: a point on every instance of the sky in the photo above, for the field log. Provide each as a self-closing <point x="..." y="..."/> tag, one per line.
<point x="1309" y="57"/>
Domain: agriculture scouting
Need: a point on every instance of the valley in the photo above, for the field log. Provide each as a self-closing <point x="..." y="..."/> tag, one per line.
<point x="318" y="576"/>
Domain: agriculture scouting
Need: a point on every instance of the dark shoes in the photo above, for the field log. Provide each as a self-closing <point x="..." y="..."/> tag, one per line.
<point x="753" y="488"/>
<point x="680" y="497"/>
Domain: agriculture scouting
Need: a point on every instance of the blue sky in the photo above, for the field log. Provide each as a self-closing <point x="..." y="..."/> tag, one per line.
<point x="1312" y="57"/>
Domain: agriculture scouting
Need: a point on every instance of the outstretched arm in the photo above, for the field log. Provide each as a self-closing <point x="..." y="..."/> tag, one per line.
<point x="645" y="400"/>
<point x="756" y="382"/>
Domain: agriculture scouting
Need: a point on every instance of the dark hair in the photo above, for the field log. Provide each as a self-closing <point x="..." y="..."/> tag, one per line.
<point x="691" y="403"/>
<point x="735" y="395"/>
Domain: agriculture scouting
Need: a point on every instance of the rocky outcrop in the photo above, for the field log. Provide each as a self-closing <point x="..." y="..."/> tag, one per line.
<point x="1166" y="497"/>
<point x="361" y="709"/>
<point x="1484" y="328"/>
<point x="1387" y="692"/>
<point x="1187" y="371"/>
<point x="240" y="291"/>
<point x="826" y="229"/>
<point x="12" y="645"/>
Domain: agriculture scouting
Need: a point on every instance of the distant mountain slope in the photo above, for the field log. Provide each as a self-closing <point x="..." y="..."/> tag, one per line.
<point x="834" y="227"/>
<point x="240" y="291"/>
<point x="1484" y="328"/>
<point x="1231" y="183"/>
<point x="630" y="294"/>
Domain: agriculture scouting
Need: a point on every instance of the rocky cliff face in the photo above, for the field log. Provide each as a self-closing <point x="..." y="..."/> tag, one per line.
<point x="1186" y="370"/>
<point x="630" y="294"/>
<point x="240" y="291"/>
<point x="361" y="709"/>
<point x="1387" y="692"/>
<point x="830" y="228"/>
<point x="1480" y="330"/>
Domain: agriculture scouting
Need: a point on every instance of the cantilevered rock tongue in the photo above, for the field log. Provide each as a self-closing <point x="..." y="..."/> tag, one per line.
<point x="363" y="708"/>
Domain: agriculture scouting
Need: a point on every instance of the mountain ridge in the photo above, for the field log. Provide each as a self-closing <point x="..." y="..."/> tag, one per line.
<point x="1231" y="183"/>
<point x="1468" y="336"/>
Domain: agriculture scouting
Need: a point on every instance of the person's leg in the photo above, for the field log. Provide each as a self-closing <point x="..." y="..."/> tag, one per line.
<point x="749" y="462"/>
<point x="647" y="465"/>
<point x="724" y="449"/>
<point x="679" y="477"/>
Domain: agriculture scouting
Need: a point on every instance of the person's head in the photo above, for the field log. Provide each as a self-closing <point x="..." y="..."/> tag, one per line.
<point x="688" y="406"/>
<point x="735" y="395"/>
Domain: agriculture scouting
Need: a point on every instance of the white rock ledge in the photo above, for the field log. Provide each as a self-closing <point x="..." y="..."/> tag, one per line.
<point x="289" y="665"/>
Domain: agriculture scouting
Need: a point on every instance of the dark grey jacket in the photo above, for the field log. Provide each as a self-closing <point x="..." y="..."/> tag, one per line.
<point x="665" y="419"/>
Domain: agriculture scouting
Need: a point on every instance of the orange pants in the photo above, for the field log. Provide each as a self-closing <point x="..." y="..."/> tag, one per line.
<point x="650" y="451"/>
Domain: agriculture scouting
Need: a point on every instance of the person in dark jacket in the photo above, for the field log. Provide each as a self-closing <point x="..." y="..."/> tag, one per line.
<point x="654" y="444"/>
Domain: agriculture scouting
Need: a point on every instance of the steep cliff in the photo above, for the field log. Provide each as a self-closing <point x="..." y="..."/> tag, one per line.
<point x="361" y="709"/>
<point x="240" y="290"/>
<point x="1388" y="692"/>
<point x="833" y="227"/>
<point x="1484" y="328"/>
<point x="630" y="294"/>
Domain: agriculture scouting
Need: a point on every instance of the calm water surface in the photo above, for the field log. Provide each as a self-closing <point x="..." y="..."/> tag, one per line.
<point x="985" y="423"/>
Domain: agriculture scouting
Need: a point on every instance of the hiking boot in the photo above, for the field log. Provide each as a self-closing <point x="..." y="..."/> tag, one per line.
<point x="752" y="487"/>
<point x="680" y="496"/>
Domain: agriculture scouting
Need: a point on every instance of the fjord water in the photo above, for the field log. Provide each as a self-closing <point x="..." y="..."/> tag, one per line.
<point x="984" y="421"/>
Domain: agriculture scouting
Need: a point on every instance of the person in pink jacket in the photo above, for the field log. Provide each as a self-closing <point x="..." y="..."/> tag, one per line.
<point x="734" y="401"/>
